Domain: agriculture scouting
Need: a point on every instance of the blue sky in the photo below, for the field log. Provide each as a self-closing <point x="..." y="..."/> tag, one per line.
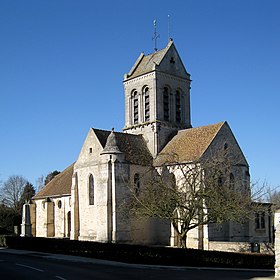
<point x="62" y="64"/>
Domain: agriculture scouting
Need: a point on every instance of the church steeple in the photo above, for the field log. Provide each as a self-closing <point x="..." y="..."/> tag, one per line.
<point x="157" y="97"/>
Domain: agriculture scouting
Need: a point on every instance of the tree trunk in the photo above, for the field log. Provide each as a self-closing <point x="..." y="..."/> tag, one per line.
<point x="183" y="240"/>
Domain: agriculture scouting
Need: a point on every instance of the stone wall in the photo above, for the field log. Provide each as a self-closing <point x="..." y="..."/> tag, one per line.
<point x="62" y="208"/>
<point x="266" y="248"/>
<point x="277" y="252"/>
<point x="51" y="219"/>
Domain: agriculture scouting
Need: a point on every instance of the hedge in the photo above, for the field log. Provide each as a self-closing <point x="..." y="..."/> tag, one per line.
<point x="140" y="254"/>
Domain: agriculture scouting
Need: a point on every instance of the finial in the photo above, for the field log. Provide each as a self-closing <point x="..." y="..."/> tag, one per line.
<point x="156" y="35"/>
<point x="113" y="129"/>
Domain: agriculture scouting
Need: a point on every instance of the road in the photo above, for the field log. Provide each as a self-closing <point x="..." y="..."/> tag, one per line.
<point x="33" y="265"/>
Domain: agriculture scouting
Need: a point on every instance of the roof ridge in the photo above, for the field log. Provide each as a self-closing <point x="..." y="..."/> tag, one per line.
<point x="170" y="43"/>
<point x="94" y="129"/>
<point x="221" y="124"/>
<point x="148" y="62"/>
<point x="203" y="126"/>
<point x="62" y="172"/>
<point x="45" y="191"/>
<point x="189" y="144"/>
<point x="117" y="132"/>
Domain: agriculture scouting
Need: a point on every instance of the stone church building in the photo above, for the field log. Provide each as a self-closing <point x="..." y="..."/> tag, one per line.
<point x="83" y="202"/>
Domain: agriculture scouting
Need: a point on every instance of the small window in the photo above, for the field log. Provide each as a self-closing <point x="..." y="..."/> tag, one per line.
<point x="91" y="189"/>
<point x="90" y="150"/>
<point x="260" y="220"/>
<point x="137" y="183"/>
<point x="220" y="181"/>
<point x="59" y="204"/>
<point x="225" y="146"/>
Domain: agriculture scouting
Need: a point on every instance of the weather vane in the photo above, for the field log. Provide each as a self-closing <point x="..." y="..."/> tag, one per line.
<point x="156" y="35"/>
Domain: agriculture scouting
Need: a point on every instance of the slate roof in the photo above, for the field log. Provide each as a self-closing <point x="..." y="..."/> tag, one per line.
<point x="188" y="145"/>
<point x="134" y="147"/>
<point x="146" y="64"/>
<point x="60" y="185"/>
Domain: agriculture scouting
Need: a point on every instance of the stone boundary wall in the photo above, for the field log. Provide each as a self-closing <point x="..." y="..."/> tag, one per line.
<point x="266" y="248"/>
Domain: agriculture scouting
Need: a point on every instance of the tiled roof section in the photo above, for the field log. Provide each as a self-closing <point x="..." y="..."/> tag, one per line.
<point x="147" y="63"/>
<point x="188" y="145"/>
<point x="133" y="146"/>
<point x="60" y="185"/>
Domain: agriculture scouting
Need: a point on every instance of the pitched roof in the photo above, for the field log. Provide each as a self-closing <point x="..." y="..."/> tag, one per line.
<point x="188" y="145"/>
<point x="133" y="146"/>
<point x="146" y="64"/>
<point x="60" y="185"/>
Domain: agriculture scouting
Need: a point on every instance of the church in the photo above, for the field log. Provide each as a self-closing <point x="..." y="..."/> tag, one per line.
<point x="83" y="202"/>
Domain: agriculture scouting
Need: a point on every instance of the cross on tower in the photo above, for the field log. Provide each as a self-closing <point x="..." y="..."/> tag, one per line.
<point x="156" y="35"/>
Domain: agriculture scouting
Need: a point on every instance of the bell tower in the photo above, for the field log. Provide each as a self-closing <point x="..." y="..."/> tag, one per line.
<point x="157" y="97"/>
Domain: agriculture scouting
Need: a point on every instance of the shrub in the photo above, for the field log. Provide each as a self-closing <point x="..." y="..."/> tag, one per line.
<point x="142" y="254"/>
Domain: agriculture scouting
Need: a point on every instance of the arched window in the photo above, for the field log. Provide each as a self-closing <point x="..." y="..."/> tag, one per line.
<point x="137" y="183"/>
<point x="166" y="104"/>
<point x="147" y="104"/>
<point x="178" y="106"/>
<point x="91" y="189"/>
<point x="135" y="107"/>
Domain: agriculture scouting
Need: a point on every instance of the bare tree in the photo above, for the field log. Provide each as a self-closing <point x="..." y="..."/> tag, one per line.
<point x="193" y="194"/>
<point x="273" y="196"/>
<point x="40" y="183"/>
<point x="11" y="192"/>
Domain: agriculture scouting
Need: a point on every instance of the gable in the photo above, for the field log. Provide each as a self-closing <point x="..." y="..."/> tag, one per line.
<point x="171" y="63"/>
<point x="91" y="149"/>
<point x="226" y="141"/>
<point x="166" y="60"/>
